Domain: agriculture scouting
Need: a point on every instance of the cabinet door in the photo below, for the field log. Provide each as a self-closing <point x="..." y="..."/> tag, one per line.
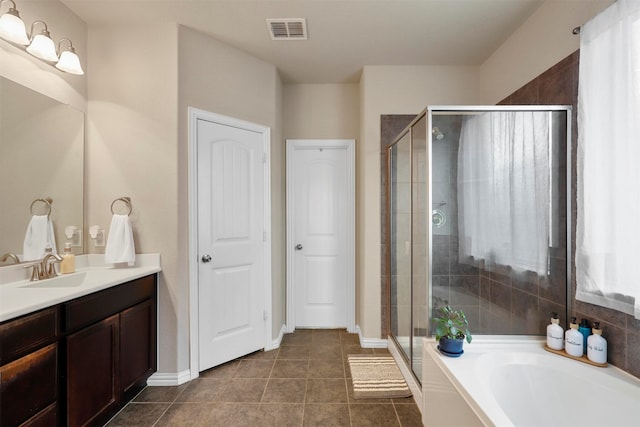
<point x="28" y="385"/>
<point x="137" y="346"/>
<point x="26" y="334"/>
<point x="92" y="363"/>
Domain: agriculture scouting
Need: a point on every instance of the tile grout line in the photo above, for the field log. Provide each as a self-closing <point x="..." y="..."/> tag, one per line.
<point x="170" y="405"/>
<point x="268" y="379"/>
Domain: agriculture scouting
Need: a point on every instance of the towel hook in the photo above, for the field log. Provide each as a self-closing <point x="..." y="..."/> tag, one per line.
<point x="126" y="200"/>
<point x="47" y="205"/>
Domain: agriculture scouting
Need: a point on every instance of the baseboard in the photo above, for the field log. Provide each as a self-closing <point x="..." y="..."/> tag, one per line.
<point x="169" y="378"/>
<point x="276" y="343"/>
<point x="370" y="342"/>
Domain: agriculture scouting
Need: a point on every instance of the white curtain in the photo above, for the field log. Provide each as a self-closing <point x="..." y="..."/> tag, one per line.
<point x="503" y="190"/>
<point x="608" y="227"/>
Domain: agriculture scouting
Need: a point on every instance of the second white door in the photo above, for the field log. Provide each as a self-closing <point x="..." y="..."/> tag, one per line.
<point x="320" y="209"/>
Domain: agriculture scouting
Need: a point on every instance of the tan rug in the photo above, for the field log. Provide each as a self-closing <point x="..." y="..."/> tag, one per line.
<point x="376" y="377"/>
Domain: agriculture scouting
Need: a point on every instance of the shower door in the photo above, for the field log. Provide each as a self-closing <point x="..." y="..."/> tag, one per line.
<point x="407" y="231"/>
<point x="477" y="218"/>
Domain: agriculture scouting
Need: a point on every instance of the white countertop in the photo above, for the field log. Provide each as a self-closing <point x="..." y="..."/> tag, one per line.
<point x="19" y="296"/>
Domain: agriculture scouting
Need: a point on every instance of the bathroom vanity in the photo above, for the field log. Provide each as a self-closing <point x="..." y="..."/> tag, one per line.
<point x="82" y="358"/>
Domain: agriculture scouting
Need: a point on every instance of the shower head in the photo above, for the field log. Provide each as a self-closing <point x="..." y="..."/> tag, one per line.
<point x="436" y="132"/>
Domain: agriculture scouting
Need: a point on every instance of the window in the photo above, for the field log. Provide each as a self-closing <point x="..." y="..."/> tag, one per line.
<point x="608" y="227"/>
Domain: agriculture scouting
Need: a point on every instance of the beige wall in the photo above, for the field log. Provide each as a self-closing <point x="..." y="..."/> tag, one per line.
<point x="278" y="215"/>
<point x="131" y="150"/>
<point x="539" y="43"/>
<point x="391" y="90"/>
<point x="218" y="78"/>
<point x="321" y="111"/>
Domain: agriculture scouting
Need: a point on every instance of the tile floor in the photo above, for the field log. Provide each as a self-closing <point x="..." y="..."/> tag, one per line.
<point x="306" y="382"/>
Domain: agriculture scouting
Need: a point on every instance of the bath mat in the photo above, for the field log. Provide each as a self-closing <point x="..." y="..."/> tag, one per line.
<point x="376" y="377"/>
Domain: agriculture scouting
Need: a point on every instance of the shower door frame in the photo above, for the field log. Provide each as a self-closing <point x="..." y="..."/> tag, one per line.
<point x="429" y="112"/>
<point x="408" y="358"/>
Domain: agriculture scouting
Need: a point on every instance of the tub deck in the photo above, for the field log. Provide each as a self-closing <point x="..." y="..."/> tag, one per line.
<point x="512" y="380"/>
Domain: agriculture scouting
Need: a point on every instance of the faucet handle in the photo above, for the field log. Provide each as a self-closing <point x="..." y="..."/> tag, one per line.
<point x="51" y="271"/>
<point x="35" y="274"/>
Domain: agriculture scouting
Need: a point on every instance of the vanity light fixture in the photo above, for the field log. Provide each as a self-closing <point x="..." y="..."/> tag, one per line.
<point x="12" y="27"/>
<point x="42" y="46"/>
<point x="69" y="61"/>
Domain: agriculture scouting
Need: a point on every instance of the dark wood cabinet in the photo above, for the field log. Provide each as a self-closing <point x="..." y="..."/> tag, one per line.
<point x="96" y="352"/>
<point x="111" y="349"/>
<point x="92" y="377"/>
<point x="137" y="347"/>
<point x="29" y="356"/>
<point x="29" y="386"/>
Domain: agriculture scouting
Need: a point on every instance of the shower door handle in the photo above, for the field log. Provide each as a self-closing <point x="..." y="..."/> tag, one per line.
<point x="298" y="247"/>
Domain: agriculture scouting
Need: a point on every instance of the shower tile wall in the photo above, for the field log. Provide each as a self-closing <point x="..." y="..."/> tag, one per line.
<point x="559" y="85"/>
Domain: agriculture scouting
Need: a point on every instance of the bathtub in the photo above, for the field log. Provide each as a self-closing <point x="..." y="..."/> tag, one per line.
<point x="513" y="381"/>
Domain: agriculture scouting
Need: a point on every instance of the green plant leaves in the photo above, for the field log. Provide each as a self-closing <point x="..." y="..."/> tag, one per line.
<point x="452" y="324"/>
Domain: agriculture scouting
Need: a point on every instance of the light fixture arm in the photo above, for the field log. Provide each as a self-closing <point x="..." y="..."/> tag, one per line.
<point x="70" y="48"/>
<point x="12" y="10"/>
<point x="44" y="32"/>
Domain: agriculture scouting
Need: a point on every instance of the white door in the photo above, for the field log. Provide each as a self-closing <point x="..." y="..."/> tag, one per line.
<point x="320" y="212"/>
<point x="231" y="272"/>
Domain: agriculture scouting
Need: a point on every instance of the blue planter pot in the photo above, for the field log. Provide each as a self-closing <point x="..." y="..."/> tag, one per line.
<point x="451" y="348"/>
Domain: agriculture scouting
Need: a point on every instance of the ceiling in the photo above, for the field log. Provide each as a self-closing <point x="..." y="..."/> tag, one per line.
<point x="343" y="35"/>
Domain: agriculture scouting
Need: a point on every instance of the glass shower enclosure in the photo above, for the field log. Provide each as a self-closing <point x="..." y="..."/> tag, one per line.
<point x="477" y="217"/>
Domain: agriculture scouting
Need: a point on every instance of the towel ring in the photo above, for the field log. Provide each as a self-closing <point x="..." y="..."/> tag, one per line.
<point x="126" y="200"/>
<point x="47" y="206"/>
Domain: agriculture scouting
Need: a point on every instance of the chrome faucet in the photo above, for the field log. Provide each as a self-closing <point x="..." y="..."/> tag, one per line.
<point x="10" y="256"/>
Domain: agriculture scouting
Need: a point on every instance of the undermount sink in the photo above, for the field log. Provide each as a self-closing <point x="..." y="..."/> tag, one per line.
<point x="64" y="281"/>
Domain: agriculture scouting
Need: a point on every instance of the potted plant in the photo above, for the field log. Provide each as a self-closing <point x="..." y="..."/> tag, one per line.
<point x="451" y="328"/>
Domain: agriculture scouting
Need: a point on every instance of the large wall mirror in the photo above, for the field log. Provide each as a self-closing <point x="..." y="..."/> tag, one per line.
<point x="41" y="156"/>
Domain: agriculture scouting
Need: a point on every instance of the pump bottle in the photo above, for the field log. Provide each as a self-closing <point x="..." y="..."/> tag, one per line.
<point x="597" y="345"/>
<point x="585" y="330"/>
<point x="68" y="263"/>
<point x="573" y="340"/>
<point x="555" y="333"/>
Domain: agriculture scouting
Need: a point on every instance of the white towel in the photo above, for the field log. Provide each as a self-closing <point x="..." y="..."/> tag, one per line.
<point x="39" y="235"/>
<point x="120" y="246"/>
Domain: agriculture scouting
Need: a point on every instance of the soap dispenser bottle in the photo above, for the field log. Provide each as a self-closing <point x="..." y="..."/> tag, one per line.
<point x="555" y="333"/>
<point x="585" y="330"/>
<point x="573" y="339"/>
<point x="597" y="345"/>
<point x="68" y="263"/>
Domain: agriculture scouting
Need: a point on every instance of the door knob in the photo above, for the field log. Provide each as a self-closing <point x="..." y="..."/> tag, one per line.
<point x="298" y="247"/>
<point x="206" y="258"/>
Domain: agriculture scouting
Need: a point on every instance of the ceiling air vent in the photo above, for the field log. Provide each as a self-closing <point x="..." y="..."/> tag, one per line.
<point x="287" y="28"/>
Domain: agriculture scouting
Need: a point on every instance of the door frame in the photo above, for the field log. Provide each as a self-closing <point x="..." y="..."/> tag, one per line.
<point x="350" y="147"/>
<point x="196" y="114"/>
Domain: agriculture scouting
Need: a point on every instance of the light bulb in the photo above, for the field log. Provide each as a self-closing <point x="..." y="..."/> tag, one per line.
<point x="12" y="27"/>
<point x="70" y="63"/>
